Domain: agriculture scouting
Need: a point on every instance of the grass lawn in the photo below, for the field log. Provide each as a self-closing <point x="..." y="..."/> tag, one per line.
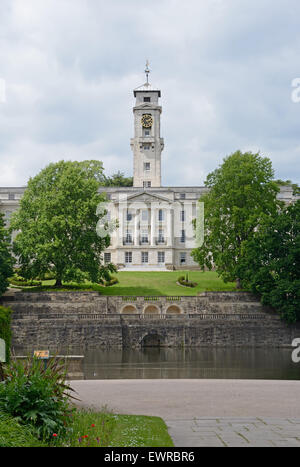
<point x="151" y="283"/>
<point x="96" y="429"/>
<point x="92" y="429"/>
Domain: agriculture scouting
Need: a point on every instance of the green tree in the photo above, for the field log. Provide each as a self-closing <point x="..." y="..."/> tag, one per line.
<point x="118" y="179"/>
<point x="271" y="262"/>
<point x="57" y="223"/>
<point x="241" y="190"/>
<point x="6" y="260"/>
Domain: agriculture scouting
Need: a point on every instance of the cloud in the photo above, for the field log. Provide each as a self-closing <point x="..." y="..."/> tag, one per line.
<point x="225" y="69"/>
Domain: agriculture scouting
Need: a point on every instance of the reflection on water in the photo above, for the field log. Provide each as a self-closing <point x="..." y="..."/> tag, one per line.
<point x="188" y="363"/>
<point x="153" y="363"/>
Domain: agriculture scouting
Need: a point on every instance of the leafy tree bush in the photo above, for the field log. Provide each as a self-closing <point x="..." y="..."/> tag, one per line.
<point x="57" y="223"/>
<point x="37" y="396"/>
<point x="118" y="179"/>
<point x="241" y="192"/>
<point x="271" y="262"/>
<point x="13" y="434"/>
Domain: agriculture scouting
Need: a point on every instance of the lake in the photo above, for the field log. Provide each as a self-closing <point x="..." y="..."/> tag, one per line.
<point x="191" y="363"/>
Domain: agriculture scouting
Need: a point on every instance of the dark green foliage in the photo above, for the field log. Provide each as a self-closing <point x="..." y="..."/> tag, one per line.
<point x="184" y="280"/>
<point x="111" y="281"/>
<point x="241" y="192"/>
<point x="5" y="330"/>
<point x="21" y="281"/>
<point x="6" y="261"/>
<point x="13" y="434"/>
<point x="271" y="262"/>
<point x="118" y="179"/>
<point x="37" y="396"/>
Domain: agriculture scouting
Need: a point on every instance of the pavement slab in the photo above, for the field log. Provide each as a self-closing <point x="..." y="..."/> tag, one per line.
<point x="203" y="413"/>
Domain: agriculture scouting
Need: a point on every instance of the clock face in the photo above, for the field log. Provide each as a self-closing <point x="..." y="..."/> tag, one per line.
<point x="147" y="121"/>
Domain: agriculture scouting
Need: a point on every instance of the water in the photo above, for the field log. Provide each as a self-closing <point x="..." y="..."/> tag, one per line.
<point x="153" y="363"/>
<point x="188" y="363"/>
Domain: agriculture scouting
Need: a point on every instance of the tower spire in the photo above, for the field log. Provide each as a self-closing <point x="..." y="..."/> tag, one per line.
<point x="147" y="71"/>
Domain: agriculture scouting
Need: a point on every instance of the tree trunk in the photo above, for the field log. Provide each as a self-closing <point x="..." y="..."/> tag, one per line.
<point x="58" y="283"/>
<point x="238" y="283"/>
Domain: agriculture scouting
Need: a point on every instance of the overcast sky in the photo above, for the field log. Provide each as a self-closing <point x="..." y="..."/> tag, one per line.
<point x="225" y="69"/>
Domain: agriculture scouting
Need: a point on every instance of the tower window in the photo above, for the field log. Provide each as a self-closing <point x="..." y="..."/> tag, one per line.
<point x="146" y="132"/>
<point x="146" y="147"/>
<point x="146" y="184"/>
<point x="146" y="165"/>
<point x="147" y="99"/>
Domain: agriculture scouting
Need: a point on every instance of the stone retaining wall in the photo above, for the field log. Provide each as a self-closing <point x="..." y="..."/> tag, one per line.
<point x="81" y="320"/>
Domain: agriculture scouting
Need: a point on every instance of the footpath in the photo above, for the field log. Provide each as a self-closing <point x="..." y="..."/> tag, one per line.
<point x="222" y="413"/>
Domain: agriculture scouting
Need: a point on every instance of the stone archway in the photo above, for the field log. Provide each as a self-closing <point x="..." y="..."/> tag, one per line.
<point x="152" y="340"/>
<point x="152" y="309"/>
<point x="173" y="310"/>
<point x="129" y="310"/>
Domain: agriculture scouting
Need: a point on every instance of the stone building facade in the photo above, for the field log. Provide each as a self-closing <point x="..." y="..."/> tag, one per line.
<point x="155" y="223"/>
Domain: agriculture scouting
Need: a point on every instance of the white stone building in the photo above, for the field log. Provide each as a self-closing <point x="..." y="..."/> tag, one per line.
<point x="155" y="222"/>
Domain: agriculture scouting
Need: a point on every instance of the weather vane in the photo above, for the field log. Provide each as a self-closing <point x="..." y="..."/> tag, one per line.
<point x="147" y="71"/>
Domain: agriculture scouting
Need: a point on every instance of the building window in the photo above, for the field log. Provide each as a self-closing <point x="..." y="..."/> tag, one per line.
<point x="147" y="184"/>
<point x="11" y="196"/>
<point x="144" y="214"/>
<point x="160" y="256"/>
<point x="147" y="166"/>
<point x="145" y="257"/>
<point x="107" y="257"/>
<point x="128" y="256"/>
<point x="128" y="216"/>
<point x="146" y="147"/>
<point x="128" y="238"/>
<point x="182" y="258"/>
<point x="182" y="237"/>
<point x="146" y="132"/>
<point x="160" y="215"/>
<point x="144" y="236"/>
<point x="182" y="195"/>
<point x="182" y="216"/>
<point x="161" y="237"/>
<point x="147" y="99"/>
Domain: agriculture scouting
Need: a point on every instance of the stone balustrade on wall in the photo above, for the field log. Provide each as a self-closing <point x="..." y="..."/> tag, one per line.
<point x="59" y="320"/>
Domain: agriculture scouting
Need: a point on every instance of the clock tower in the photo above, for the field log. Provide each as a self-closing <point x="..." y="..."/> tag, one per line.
<point x="147" y="144"/>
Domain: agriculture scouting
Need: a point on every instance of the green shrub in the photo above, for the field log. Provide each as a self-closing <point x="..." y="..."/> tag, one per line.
<point x="37" y="396"/>
<point x="20" y="281"/>
<point x="111" y="281"/>
<point x="185" y="282"/>
<point x="12" y="434"/>
<point x="5" y="329"/>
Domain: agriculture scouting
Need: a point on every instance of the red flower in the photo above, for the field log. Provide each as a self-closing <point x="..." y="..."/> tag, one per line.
<point x="92" y="425"/>
<point x="54" y="435"/>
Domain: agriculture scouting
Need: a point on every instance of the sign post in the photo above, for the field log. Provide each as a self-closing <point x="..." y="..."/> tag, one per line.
<point x="42" y="355"/>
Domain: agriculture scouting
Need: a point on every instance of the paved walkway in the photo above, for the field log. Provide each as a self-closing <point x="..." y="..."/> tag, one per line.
<point x="206" y="412"/>
<point x="235" y="432"/>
